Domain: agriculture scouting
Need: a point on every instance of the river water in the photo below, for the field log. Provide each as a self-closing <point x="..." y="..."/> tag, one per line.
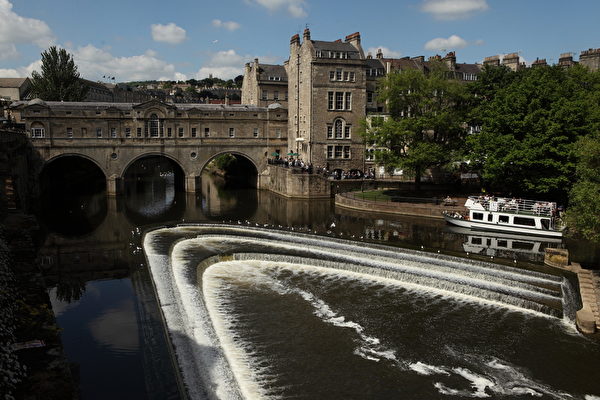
<point x="294" y="318"/>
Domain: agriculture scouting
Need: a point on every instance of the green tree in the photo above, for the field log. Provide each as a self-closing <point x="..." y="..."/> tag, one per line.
<point x="59" y="80"/>
<point x="583" y="216"/>
<point x="529" y="123"/>
<point x="426" y="127"/>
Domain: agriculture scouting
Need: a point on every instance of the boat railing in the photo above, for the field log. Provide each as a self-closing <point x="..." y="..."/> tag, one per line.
<point x="512" y="205"/>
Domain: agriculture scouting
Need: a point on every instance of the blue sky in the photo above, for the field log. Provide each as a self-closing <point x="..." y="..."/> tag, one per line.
<point x="183" y="39"/>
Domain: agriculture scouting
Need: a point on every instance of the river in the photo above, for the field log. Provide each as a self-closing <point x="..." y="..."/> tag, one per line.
<point x="307" y="331"/>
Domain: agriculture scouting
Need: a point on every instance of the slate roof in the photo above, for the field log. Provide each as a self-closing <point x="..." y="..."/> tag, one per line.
<point x="82" y="105"/>
<point x="267" y="70"/>
<point x="336" y="46"/>
<point x="12" y="82"/>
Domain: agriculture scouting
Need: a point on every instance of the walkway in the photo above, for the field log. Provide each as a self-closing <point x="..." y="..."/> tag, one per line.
<point x="352" y="201"/>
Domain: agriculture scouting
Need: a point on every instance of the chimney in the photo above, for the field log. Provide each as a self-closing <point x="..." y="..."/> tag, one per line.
<point x="354" y="40"/>
<point x="369" y="56"/>
<point x="379" y="53"/>
<point x="306" y="34"/>
<point x="450" y="60"/>
<point x="295" y="40"/>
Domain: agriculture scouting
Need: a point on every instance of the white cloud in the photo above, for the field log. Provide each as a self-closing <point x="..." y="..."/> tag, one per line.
<point x="229" y="25"/>
<point x="454" y="9"/>
<point x="387" y="53"/>
<point x="227" y="64"/>
<point x="296" y="8"/>
<point x="169" y="33"/>
<point x="451" y="43"/>
<point x="15" y="30"/>
<point x="21" y="72"/>
<point x="93" y="63"/>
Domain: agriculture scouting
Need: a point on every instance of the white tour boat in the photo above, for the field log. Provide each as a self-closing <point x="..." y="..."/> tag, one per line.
<point x="528" y="217"/>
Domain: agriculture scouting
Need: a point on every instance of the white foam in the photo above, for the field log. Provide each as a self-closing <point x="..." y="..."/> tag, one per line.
<point x="425" y="369"/>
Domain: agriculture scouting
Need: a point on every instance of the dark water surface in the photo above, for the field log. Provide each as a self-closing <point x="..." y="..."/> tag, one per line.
<point x="113" y="333"/>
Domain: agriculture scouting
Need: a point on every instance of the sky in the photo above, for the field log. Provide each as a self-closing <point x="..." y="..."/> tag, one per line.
<point x="185" y="39"/>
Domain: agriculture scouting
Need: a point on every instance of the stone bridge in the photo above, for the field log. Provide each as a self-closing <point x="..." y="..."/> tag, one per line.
<point x="115" y="135"/>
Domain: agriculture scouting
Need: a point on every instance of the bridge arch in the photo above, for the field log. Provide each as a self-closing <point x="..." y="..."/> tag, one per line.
<point x="80" y="155"/>
<point x="138" y="157"/>
<point x="234" y="152"/>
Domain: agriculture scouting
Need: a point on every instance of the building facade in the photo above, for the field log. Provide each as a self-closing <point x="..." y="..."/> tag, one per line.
<point x="264" y="84"/>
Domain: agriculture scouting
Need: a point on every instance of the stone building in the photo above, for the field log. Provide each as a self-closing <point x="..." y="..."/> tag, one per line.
<point x="14" y="88"/>
<point x="590" y="58"/>
<point x="327" y="101"/>
<point x="264" y="84"/>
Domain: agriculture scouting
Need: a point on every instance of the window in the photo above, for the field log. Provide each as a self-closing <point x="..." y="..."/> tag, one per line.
<point x="193" y="132"/>
<point x="331" y="75"/>
<point x="169" y="132"/>
<point x="276" y="95"/>
<point x="352" y="76"/>
<point x="113" y="132"/>
<point x="231" y="132"/>
<point x="98" y="132"/>
<point x="370" y="155"/>
<point x="347" y="132"/>
<point x="37" y="132"/>
<point x="128" y="132"/>
<point x="255" y="133"/>
<point x="478" y="216"/>
<point x="343" y="100"/>
<point x="369" y="97"/>
<point x="153" y="125"/>
<point x="139" y="132"/>
<point x="329" y="132"/>
<point x="346" y="75"/>
<point x="338" y="74"/>
<point x="70" y="133"/>
<point x="278" y="132"/>
<point x="265" y="95"/>
<point x="206" y="132"/>
<point x="346" y="151"/>
<point x="524" y="221"/>
<point x="329" y="151"/>
<point x="180" y="132"/>
<point x="339" y="100"/>
<point x="338" y="129"/>
<point x="503" y="219"/>
<point x="338" y="151"/>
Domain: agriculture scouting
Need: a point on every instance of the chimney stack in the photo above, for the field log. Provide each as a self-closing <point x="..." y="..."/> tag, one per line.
<point x="379" y="53"/>
<point x="306" y="34"/>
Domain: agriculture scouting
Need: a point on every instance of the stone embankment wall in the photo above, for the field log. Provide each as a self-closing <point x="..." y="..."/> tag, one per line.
<point x="349" y="200"/>
<point x="286" y="182"/>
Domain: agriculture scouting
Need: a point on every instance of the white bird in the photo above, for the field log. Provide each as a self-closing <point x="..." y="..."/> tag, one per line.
<point x="215" y="41"/>
<point x="332" y="225"/>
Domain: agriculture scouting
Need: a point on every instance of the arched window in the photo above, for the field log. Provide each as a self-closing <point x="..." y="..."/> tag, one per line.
<point x="338" y="128"/>
<point x="153" y="125"/>
<point x="37" y="130"/>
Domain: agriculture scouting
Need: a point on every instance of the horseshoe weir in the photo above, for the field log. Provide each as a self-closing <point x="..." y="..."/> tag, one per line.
<point x="260" y="312"/>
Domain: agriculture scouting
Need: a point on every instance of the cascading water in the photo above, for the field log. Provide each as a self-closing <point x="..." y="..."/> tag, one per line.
<point x="260" y="313"/>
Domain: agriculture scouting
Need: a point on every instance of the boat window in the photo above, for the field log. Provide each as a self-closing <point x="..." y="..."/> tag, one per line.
<point x="502" y="243"/>
<point x="522" y="245"/>
<point x="503" y="219"/>
<point x="478" y="216"/>
<point x="524" y="221"/>
<point x="490" y="217"/>
<point x="545" y="223"/>
<point x="476" y="240"/>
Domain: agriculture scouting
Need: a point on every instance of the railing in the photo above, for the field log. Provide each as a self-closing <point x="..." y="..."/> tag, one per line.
<point x="512" y="205"/>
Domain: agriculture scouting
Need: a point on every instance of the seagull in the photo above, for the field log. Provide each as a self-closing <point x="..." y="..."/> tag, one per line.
<point x="332" y="225"/>
<point x="215" y="41"/>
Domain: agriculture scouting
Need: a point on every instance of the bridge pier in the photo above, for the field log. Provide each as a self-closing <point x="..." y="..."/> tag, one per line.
<point x="113" y="185"/>
<point x="190" y="183"/>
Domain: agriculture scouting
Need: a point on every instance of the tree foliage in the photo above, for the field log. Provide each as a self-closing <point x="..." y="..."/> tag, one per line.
<point x="426" y="125"/>
<point x="583" y="216"/>
<point x="59" y="80"/>
<point x="530" y="121"/>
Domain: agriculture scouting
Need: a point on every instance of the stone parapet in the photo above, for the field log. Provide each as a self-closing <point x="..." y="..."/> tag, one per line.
<point x="286" y="182"/>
